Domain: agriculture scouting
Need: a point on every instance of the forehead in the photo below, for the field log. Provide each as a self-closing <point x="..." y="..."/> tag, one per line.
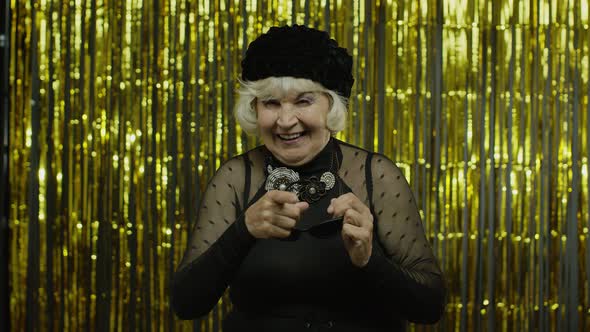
<point x="289" y="95"/>
<point x="282" y="87"/>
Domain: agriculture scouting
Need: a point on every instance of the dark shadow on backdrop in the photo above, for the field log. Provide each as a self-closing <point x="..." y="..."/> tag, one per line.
<point x="4" y="192"/>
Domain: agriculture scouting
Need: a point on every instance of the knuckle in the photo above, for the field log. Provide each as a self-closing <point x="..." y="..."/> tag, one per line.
<point x="336" y="204"/>
<point x="285" y="195"/>
<point x="267" y="196"/>
<point x="266" y="215"/>
<point x="363" y="233"/>
<point x="345" y="228"/>
<point x="288" y="208"/>
<point x="272" y="195"/>
<point x="278" y="195"/>
<point x="265" y="204"/>
<point x="290" y="223"/>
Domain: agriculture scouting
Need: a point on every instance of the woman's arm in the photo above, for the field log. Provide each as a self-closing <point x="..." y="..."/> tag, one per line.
<point x="218" y="244"/>
<point x="402" y="266"/>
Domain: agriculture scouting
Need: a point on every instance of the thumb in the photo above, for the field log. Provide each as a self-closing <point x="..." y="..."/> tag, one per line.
<point x="302" y="206"/>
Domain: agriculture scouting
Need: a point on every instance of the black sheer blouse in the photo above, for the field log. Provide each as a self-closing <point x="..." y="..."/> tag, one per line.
<point x="309" y="282"/>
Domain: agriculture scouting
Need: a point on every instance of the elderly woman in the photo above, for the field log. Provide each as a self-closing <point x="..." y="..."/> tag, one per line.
<point x="306" y="230"/>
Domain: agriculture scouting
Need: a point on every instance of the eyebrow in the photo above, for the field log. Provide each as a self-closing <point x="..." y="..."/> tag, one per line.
<point x="303" y="93"/>
<point x="267" y="98"/>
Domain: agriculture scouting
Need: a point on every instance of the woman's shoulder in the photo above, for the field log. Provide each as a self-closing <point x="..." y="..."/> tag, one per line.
<point x="254" y="156"/>
<point x="351" y="150"/>
<point x="243" y="160"/>
<point x="354" y="153"/>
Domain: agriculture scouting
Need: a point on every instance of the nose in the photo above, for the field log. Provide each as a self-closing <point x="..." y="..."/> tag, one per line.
<point x="286" y="117"/>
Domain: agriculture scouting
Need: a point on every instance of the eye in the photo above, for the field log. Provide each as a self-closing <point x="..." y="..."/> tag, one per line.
<point x="271" y="103"/>
<point x="303" y="102"/>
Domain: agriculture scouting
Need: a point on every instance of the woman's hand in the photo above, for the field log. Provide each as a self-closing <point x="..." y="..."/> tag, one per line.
<point x="357" y="227"/>
<point x="274" y="214"/>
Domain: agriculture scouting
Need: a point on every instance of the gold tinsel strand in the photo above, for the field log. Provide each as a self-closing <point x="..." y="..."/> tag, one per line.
<point x="122" y="110"/>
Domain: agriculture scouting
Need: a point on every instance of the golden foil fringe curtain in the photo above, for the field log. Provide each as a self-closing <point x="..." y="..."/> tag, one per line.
<point x="122" y="110"/>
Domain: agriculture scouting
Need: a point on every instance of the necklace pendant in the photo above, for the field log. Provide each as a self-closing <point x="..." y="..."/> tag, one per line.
<point x="313" y="189"/>
<point x="280" y="178"/>
<point x="328" y="179"/>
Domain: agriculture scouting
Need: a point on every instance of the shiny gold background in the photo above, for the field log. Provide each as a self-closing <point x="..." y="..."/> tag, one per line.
<point x="121" y="111"/>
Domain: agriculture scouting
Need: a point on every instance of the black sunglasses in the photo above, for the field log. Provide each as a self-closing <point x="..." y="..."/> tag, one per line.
<point x="322" y="230"/>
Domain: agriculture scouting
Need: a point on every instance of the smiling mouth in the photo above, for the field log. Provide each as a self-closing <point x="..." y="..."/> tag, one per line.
<point x="290" y="137"/>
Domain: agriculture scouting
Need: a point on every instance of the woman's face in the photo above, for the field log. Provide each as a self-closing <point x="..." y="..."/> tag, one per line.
<point x="293" y="127"/>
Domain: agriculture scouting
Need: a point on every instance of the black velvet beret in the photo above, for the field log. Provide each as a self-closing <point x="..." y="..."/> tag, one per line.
<point x="300" y="52"/>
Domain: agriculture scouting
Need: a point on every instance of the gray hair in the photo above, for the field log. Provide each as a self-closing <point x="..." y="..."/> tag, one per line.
<point x="278" y="87"/>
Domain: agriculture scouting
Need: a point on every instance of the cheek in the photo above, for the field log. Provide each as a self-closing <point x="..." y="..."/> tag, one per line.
<point x="264" y="120"/>
<point x="316" y="119"/>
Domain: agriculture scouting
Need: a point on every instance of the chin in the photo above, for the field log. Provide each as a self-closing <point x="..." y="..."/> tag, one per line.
<point x="293" y="160"/>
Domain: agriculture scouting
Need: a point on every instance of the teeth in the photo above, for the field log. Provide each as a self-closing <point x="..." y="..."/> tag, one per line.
<point x="291" y="136"/>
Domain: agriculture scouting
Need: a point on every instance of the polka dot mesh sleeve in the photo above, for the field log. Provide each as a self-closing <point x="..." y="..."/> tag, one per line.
<point x="219" y="242"/>
<point x="403" y="269"/>
<point x="398" y="223"/>
<point x="412" y="272"/>
<point x="221" y="205"/>
<point x="399" y="226"/>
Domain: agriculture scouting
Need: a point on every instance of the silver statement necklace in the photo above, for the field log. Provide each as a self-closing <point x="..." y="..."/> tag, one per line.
<point x="309" y="189"/>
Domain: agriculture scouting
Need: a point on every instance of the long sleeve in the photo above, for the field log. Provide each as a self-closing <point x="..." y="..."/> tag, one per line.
<point x="218" y="244"/>
<point x="402" y="267"/>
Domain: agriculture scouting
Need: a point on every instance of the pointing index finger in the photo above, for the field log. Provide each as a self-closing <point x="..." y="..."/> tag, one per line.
<point x="282" y="197"/>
